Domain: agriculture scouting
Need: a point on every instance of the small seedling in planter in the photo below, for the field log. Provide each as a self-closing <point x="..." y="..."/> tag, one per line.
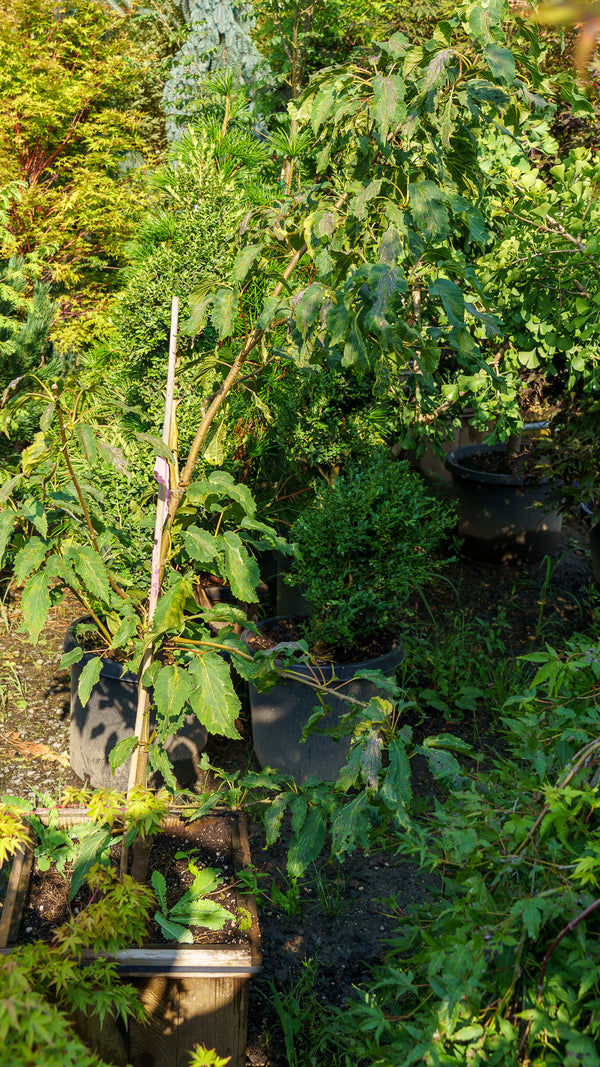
<point x="194" y="908"/>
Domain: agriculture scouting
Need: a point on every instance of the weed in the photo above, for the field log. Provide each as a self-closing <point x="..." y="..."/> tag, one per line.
<point x="331" y="890"/>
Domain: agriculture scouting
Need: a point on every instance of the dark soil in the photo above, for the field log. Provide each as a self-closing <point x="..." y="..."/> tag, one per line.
<point x="528" y="463"/>
<point x="207" y="842"/>
<point x="292" y="628"/>
<point x="344" y="924"/>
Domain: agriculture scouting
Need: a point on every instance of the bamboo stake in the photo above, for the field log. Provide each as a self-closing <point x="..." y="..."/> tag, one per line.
<point x="139" y="758"/>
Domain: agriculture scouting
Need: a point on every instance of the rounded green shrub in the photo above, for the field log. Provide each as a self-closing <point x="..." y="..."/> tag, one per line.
<point x="362" y="547"/>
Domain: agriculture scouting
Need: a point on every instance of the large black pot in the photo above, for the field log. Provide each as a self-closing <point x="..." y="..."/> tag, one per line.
<point x="502" y="516"/>
<point x="279" y="716"/>
<point x="109" y="717"/>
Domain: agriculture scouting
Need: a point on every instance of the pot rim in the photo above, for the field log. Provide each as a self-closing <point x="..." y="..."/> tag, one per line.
<point x="460" y="471"/>
<point x="386" y="663"/>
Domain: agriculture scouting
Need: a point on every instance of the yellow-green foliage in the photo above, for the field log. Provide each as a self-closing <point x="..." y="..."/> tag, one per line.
<point x="67" y="134"/>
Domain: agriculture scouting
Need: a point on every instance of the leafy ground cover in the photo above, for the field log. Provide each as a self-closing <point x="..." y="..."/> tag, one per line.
<point x="323" y="931"/>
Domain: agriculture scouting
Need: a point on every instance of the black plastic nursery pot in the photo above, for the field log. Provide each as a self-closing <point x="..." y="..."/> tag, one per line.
<point x="109" y="716"/>
<point x="279" y="715"/>
<point x="193" y="994"/>
<point x="502" y="516"/>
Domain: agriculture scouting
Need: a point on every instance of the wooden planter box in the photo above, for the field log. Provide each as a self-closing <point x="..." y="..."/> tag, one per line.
<point x="194" y="994"/>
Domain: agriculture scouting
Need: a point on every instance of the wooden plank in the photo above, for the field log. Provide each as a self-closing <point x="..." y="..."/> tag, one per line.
<point x="154" y="1043"/>
<point x="18" y="886"/>
<point x="241" y="848"/>
<point x="214" y="1014"/>
<point x="195" y="960"/>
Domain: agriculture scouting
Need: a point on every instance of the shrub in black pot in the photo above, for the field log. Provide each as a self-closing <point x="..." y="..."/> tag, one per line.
<point x="362" y="548"/>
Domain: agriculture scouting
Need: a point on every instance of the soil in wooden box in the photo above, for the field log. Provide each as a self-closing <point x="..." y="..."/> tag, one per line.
<point x="194" y="994"/>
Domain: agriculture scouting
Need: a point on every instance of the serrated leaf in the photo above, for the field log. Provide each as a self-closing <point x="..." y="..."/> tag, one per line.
<point x="159" y="886"/>
<point x="243" y="261"/>
<point x="92" y="844"/>
<point x="501" y="62"/>
<point x="307" y="845"/>
<point x="157" y="445"/>
<point x="429" y="214"/>
<point x="7" y="488"/>
<point x="88" y="564"/>
<point x="88" y="678"/>
<point x="69" y="658"/>
<point x="273" y="816"/>
<point x="530" y="914"/>
<point x="397" y="784"/>
<point x="29" y="558"/>
<point x="351" y="826"/>
<point x="159" y="761"/>
<point x="206" y="913"/>
<point x="200" y="545"/>
<point x="214" y="700"/>
<point x="214" y="448"/>
<point x="171" y="694"/>
<point x="34" y="512"/>
<point x="242" y="569"/>
<point x="169" y="610"/>
<point x="7" y="525"/>
<point x="387" y="94"/>
<point x="121" y="752"/>
<point x="85" y="436"/>
<point x="173" y="931"/>
<point x="308" y="307"/>
<point x="35" y="604"/>
<point x="224" y="310"/>
<point x="452" y="298"/>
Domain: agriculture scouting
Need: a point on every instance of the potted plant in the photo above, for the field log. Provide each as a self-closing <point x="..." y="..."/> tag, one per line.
<point x="362" y="549"/>
<point x="505" y="503"/>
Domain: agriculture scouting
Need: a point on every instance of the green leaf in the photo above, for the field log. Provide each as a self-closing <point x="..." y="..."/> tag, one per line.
<point x="387" y="95"/>
<point x="308" y="307"/>
<point x="397" y="784"/>
<point x="121" y="752"/>
<point x="88" y="678"/>
<point x="351" y="827"/>
<point x="85" y="436"/>
<point x="35" y="604"/>
<point x="171" y="694"/>
<point x="530" y="914"/>
<point x="430" y="216"/>
<point x="173" y="931"/>
<point x="159" y="886"/>
<point x="34" y="512"/>
<point x="273" y="816"/>
<point x="223" y="313"/>
<point x="89" y="566"/>
<point x="158" y="446"/>
<point x="214" y="700"/>
<point x="169" y="610"/>
<point x="29" y="558"/>
<point x="7" y="525"/>
<point x="214" y="447"/>
<point x="358" y="204"/>
<point x="92" y="844"/>
<point x="501" y="62"/>
<point x="452" y="299"/>
<point x="70" y="658"/>
<point x="206" y="913"/>
<point x="241" y="568"/>
<point x="200" y="545"/>
<point x="243" y="261"/>
<point x="307" y="844"/>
